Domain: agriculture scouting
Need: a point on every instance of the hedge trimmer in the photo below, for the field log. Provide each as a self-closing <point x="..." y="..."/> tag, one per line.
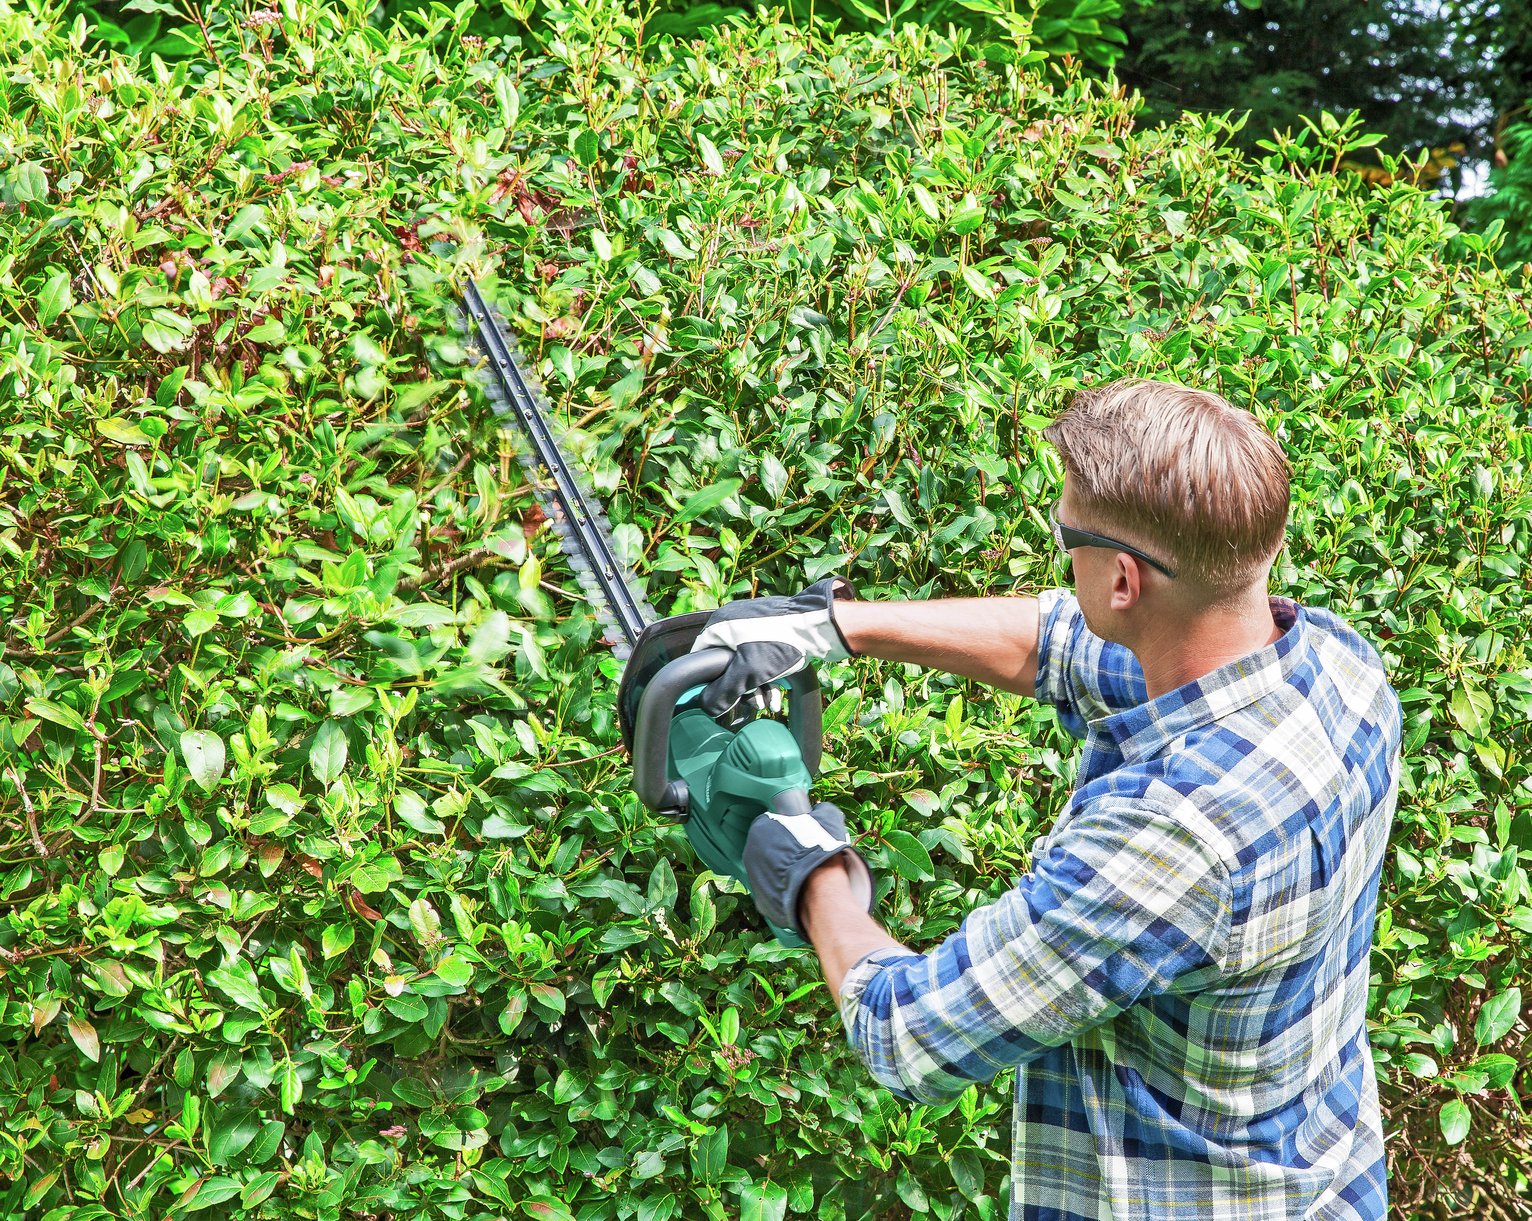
<point x="710" y="773"/>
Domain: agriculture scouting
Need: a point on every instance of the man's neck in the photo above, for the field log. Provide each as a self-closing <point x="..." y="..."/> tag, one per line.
<point x="1174" y="653"/>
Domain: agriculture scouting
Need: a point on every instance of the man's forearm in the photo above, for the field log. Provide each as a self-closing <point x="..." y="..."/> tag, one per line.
<point x="839" y="928"/>
<point x="993" y="640"/>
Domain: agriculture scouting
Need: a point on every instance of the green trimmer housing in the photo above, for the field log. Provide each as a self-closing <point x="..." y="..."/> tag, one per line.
<point x="717" y="777"/>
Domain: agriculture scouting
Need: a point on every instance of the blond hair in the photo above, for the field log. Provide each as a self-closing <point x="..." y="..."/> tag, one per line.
<point x="1179" y="473"/>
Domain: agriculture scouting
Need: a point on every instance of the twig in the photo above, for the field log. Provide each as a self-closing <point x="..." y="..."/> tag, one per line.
<point x="26" y="805"/>
<point x="25" y="654"/>
<point x="616" y="750"/>
<point x="450" y="475"/>
<point x="148" y="1166"/>
<point x="148" y="1078"/>
<point x="447" y="568"/>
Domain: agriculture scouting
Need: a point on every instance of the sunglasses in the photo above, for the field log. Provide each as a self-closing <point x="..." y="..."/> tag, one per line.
<point x="1067" y="537"/>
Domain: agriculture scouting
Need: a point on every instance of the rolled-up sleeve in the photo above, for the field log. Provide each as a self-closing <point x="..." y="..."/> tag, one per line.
<point x="1126" y="901"/>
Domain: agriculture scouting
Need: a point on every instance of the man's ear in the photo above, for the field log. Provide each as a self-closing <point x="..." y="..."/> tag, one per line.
<point x="1125" y="582"/>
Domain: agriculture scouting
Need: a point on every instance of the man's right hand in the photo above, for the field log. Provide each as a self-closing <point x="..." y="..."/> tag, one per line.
<point x="771" y="638"/>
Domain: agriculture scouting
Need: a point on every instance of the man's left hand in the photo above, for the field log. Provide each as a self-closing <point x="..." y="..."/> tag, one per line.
<point x="783" y="849"/>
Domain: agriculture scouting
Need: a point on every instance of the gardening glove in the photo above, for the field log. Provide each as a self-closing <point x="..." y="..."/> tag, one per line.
<point x="771" y="638"/>
<point x="783" y="849"/>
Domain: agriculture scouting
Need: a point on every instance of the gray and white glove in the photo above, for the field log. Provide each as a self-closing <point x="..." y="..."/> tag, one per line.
<point x="772" y="638"/>
<point x="783" y="849"/>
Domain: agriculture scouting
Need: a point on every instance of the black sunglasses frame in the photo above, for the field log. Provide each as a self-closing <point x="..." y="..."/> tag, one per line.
<point x="1067" y="537"/>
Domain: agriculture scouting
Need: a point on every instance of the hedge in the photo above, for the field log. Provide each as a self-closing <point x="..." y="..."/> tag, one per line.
<point x="323" y="893"/>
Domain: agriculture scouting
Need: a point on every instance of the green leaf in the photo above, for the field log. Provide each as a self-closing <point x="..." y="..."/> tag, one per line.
<point x="1498" y="1068"/>
<point x="926" y="201"/>
<point x="491" y="640"/>
<point x="39" y="1189"/>
<point x="59" y="714"/>
<point x="170" y="386"/>
<point x="1421" y="1065"/>
<point x="657" y="1208"/>
<point x="510" y="110"/>
<point x="924" y="802"/>
<point x="336" y="939"/>
<point x="710" y="156"/>
<point x="237" y="981"/>
<point x="568" y="1086"/>
<point x="645" y="280"/>
<point x="546" y="1208"/>
<point x="454" y="970"/>
<point x="1472" y="708"/>
<point x="967" y="217"/>
<point x="978" y="283"/>
<point x="29" y="183"/>
<point x="214" y="1190"/>
<point x="424" y="921"/>
<point x="711" y="1155"/>
<point x="763" y="1202"/>
<point x="412" y="811"/>
<point x="708" y="499"/>
<point x="270" y="331"/>
<point x="674" y="246"/>
<point x="55" y="298"/>
<point x="267" y="1143"/>
<point x="413" y="1092"/>
<point x="199" y="621"/>
<point x="967" y="1172"/>
<point x="911" y="1192"/>
<point x="289" y="1087"/>
<point x="327" y="755"/>
<point x="223" y="1069"/>
<point x="165" y="332"/>
<point x="204" y="754"/>
<point x="259" y="1188"/>
<point x="548" y="999"/>
<point x="1497" y="1016"/>
<point x="284" y="797"/>
<point x="663" y="891"/>
<point x="1455" y="1121"/>
<point x="376" y="875"/>
<point x="908" y="855"/>
<point x="85" y="1038"/>
<point x="493" y="1186"/>
<point x="229" y="1132"/>
<point x="623" y="391"/>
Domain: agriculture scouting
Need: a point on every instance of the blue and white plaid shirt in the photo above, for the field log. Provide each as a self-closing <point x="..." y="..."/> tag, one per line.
<point x="1181" y="980"/>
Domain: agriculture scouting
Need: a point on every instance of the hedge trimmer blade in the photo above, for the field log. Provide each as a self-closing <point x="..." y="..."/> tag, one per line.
<point x="585" y="536"/>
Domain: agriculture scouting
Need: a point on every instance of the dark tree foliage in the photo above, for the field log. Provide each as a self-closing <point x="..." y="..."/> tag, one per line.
<point x="1421" y="72"/>
<point x="1507" y="27"/>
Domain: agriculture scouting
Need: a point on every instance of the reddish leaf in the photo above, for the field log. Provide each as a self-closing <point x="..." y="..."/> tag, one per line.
<point x="360" y="905"/>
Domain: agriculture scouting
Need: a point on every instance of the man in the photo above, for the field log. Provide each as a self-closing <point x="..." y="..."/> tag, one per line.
<point x="1181" y="980"/>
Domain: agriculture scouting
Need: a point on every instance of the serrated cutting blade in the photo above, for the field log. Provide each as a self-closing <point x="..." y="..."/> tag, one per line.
<point x="585" y="535"/>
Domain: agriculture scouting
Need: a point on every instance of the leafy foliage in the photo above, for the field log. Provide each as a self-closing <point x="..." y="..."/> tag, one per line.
<point x="323" y="890"/>
<point x="1508" y="205"/>
<point x="1087" y="30"/>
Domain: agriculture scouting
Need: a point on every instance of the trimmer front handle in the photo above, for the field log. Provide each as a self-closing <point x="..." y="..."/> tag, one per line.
<point x="679" y="679"/>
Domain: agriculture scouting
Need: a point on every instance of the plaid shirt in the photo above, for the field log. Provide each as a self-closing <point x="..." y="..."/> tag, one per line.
<point x="1181" y="980"/>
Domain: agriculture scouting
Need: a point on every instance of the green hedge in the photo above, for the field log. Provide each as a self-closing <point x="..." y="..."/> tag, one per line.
<point x="323" y="891"/>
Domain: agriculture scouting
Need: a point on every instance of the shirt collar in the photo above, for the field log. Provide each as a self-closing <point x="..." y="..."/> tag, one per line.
<point x="1144" y="731"/>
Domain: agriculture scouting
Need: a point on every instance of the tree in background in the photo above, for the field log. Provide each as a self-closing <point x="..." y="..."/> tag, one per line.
<point x="1510" y="195"/>
<point x="1423" y="73"/>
